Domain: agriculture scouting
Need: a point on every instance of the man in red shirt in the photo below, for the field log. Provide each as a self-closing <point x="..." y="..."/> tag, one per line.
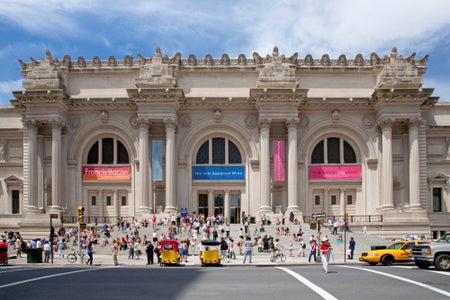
<point x="325" y="253"/>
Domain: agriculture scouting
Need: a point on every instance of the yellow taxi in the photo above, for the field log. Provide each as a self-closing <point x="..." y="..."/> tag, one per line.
<point x="397" y="252"/>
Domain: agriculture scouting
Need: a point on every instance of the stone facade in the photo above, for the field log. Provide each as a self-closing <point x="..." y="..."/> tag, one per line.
<point x="356" y="138"/>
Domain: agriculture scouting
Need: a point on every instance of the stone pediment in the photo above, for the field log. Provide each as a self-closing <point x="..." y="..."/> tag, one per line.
<point x="155" y="73"/>
<point x="44" y="75"/>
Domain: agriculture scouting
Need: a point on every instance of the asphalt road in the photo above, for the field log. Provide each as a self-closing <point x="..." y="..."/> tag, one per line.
<point x="232" y="282"/>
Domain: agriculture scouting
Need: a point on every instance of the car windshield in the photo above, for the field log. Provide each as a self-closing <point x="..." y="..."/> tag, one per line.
<point x="444" y="239"/>
<point x="395" y="246"/>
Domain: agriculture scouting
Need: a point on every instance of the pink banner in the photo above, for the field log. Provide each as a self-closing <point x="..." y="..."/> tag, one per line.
<point x="106" y="173"/>
<point x="334" y="172"/>
<point x="278" y="160"/>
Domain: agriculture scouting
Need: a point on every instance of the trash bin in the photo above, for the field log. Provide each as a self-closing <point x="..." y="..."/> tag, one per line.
<point x="34" y="255"/>
<point x="252" y="220"/>
<point x="313" y="225"/>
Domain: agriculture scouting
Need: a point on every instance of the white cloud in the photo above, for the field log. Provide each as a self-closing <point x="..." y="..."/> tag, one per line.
<point x="441" y="88"/>
<point x="6" y="88"/>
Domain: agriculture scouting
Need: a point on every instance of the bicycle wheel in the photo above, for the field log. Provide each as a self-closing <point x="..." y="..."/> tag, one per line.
<point x="72" y="258"/>
<point x="282" y="257"/>
<point x="273" y="258"/>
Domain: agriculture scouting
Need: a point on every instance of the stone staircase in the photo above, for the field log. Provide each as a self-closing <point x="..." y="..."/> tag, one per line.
<point x="363" y="241"/>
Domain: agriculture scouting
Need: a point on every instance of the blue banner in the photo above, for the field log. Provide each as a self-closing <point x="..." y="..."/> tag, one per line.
<point x="157" y="156"/>
<point x="218" y="173"/>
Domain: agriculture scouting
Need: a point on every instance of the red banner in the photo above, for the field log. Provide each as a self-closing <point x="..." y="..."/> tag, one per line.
<point x="334" y="172"/>
<point x="106" y="173"/>
<point x="278" y="160"/>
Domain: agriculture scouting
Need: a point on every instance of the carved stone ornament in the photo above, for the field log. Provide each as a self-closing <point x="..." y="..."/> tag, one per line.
<point x="303" y="120"/>
<point x="104" y="116"/>
<point x="134" y="121"/>
<point x="185" y="121"/>
<point x="217" y="115"/>
<point x="3" y="144"/>
<point x="335" y="115"/>
<point x="251" y="121"/>
<point x="368" y="121"/>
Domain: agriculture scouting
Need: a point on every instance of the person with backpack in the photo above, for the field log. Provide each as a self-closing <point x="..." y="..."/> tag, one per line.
<point x="301" y="250"/>
<point x="223" y="249"/>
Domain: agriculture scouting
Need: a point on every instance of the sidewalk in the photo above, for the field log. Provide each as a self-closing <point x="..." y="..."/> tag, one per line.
<point x="258" y="259"/>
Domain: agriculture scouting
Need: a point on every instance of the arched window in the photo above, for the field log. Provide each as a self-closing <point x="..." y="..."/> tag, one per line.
<point x="223" y="151"/>
<point x="333" y="150"/>
<point x="108" y="151"/>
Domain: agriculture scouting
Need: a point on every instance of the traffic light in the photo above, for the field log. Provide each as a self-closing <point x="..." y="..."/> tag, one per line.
<point x="80" y="210"/>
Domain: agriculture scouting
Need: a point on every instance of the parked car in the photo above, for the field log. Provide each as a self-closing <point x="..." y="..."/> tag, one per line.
<point x="436" y="254"/>
<point x="397" y="252"/>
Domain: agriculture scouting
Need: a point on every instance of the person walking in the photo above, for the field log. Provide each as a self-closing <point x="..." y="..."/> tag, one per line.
<point x="351" y="247"/>
<point x="301" y="250"/>
<point x="115" y="252"/>
<point x="312" y="250"/>
<point x="47" y="251"/>
<point x="248" y="249"/>
<point x="90" y="253"/>
<point x="149" y="251"/>
<point x="325" y="253"/>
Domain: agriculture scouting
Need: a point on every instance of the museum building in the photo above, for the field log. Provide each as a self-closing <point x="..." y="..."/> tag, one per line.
<point x="357" y="139"/>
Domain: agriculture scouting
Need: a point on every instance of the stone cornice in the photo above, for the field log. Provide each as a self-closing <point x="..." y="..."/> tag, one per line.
<point x="128" y="63"/>
<point x="278" y="96"/>
<point x="40" y="97"/>
<point x="173" y="96"/>
<point x="417" y="96"/>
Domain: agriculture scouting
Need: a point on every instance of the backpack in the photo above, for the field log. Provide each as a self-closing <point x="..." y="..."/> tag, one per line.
<point x="224" y="246"/>
<point x="303" y="245"/>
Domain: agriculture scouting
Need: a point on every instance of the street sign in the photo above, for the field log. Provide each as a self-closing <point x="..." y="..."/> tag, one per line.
<point x="319" y="215"/>
<point x="53" y="216"/>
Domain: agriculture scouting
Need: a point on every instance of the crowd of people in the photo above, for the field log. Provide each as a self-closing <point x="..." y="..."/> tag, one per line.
<point x="124" y="236"/>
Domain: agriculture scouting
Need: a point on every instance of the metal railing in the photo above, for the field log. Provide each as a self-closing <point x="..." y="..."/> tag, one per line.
<point x="361" y="219"/>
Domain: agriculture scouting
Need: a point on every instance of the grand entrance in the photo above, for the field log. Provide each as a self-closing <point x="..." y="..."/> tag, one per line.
<point x="216" y="203"/>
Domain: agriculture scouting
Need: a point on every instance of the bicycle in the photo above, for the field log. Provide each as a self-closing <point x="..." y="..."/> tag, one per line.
<point x="73" y="257"/>
<point x="279" y="256"/>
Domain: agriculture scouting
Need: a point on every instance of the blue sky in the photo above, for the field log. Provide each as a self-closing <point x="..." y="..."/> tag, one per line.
<point x="119" y="28"/>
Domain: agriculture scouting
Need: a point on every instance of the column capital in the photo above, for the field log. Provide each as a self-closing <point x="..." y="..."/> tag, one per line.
<point x="30" y="123"/>
<point x="385" y="123"/>
<point x="57" y="124"/>
<point x="171" y="123"/>
<point x="414" y="122"/>
<point x="264" y="124"/>
<point x="292" y="123"/>
<point x="143" y="123"/>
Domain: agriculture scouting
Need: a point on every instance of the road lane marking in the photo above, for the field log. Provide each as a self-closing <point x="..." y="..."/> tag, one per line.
<point x="46" y="277"/>
<point x="426" y="286"/>
<point x="324" y="294"/>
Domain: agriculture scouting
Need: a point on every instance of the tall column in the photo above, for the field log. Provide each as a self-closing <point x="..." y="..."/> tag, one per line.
<point x="342" y="203"/>
<point x="387" y="191"/>
<point x="414" y="172"/>
<point x="31" y="195"/>
<point x="116" y="203"/>
<point x="170" y="164"/>
<point x="210" y="203"/>
<point x="226" y="213"/>
<point x="326" y="201"/>
<point x="56" y="164"/>
<point x="292" y="125"/>
<point x="265" y="166"/>
<point x="144" y="164"/>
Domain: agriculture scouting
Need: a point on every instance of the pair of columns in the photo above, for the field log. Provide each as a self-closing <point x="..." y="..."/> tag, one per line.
<point x="292" y="125"/>
<point x="144" y="204"/>
<point x="31" y="172"/>
<point x="387" y="191"/>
